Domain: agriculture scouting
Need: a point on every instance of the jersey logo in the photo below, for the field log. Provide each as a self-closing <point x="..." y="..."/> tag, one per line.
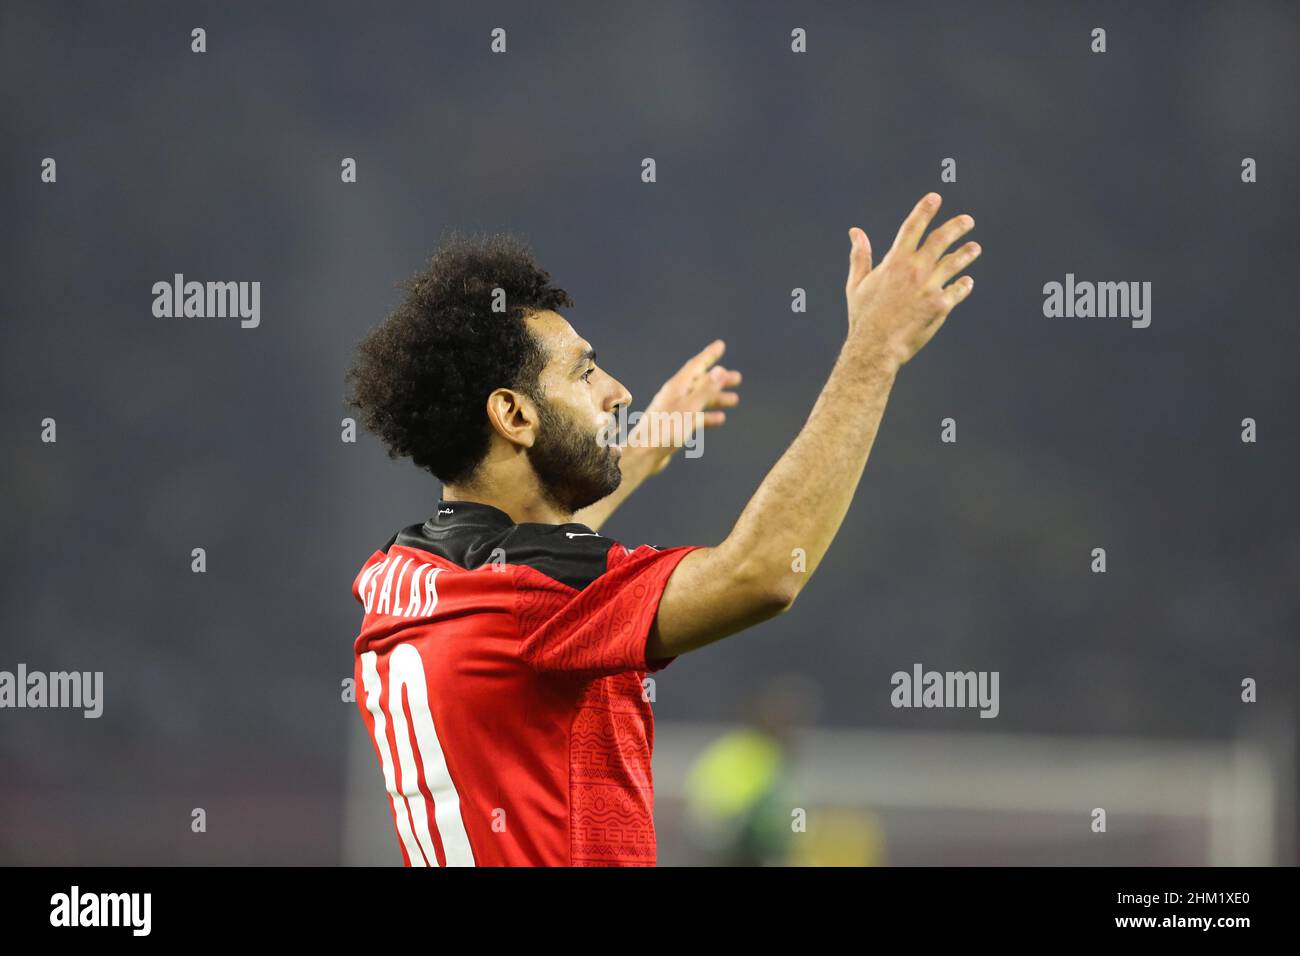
<point x="581" y="534"/>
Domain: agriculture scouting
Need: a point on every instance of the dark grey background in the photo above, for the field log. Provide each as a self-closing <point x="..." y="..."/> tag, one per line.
<point x="222" y="690"/>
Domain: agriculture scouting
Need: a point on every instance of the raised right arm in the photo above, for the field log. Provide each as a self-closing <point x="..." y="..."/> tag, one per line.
<point x="893" y="310"/>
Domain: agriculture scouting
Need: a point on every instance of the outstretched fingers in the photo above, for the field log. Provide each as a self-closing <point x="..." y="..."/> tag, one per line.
<point x="955" y="261"/>
<point x="956" y="292"/>
<point x="699" y="364"/>
<point x="943" y="237"/>
<point x="914" y="226"/>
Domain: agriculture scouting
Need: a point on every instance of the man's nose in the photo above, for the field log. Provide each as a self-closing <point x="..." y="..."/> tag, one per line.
<point x="620" y="395"/>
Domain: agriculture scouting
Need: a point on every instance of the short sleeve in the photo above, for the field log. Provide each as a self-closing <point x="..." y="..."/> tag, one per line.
<point x="602" y="627"/>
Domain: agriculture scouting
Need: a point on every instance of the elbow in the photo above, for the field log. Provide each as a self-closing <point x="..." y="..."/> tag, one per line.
<point x="781" y="598"/>
<point x="771" y="593"/>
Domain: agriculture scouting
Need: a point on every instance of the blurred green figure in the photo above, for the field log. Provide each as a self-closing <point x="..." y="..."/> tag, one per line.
<point x="738" y="801"/>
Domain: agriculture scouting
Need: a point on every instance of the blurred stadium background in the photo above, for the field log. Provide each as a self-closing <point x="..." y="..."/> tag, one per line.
<point x="1119" y="691"/>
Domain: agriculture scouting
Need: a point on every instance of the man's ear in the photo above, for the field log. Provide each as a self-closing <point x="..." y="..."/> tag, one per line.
<point x="513" y="416"/>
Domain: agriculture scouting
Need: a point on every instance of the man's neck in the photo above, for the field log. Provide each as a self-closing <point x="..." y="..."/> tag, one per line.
<point x="521" y="508"/>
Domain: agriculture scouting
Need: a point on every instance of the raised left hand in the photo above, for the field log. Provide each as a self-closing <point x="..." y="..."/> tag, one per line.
<point x="700" y="386"/>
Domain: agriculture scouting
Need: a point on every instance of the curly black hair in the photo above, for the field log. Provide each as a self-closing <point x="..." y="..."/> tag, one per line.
<point x="421" y="378"/>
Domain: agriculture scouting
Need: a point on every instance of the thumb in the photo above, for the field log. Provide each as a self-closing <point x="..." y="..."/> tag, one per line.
<point x="859" y="256"/>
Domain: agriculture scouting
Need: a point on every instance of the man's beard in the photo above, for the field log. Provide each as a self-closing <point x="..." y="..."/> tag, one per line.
<point x="572" y="467"/>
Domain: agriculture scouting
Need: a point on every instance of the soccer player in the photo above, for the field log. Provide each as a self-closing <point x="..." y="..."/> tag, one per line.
<point x="505" y="640"/>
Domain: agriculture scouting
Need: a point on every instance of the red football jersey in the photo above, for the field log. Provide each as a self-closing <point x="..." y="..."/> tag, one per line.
<point x="500" y="671"/>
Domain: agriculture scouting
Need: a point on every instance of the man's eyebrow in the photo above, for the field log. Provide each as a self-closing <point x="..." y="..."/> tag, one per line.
<point x="588" y="356"/>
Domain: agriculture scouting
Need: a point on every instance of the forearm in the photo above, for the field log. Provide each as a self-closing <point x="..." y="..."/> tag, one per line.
<point x="797" y="510"/>
<point x="750" y="576"/>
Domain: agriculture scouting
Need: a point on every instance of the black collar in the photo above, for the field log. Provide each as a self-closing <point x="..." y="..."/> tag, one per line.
<point x="465" y="513"/>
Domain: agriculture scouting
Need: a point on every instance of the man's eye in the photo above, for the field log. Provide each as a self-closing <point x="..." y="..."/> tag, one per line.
<point x="586" y="376"/>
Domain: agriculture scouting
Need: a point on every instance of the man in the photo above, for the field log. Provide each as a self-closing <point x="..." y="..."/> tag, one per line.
<point x="504" y="641"/>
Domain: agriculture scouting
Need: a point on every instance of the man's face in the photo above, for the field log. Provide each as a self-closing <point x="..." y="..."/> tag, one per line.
<point x="574" y="465"/>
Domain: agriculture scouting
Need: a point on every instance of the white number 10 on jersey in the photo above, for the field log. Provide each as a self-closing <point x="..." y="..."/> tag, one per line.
<point x="406" y="670"/>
